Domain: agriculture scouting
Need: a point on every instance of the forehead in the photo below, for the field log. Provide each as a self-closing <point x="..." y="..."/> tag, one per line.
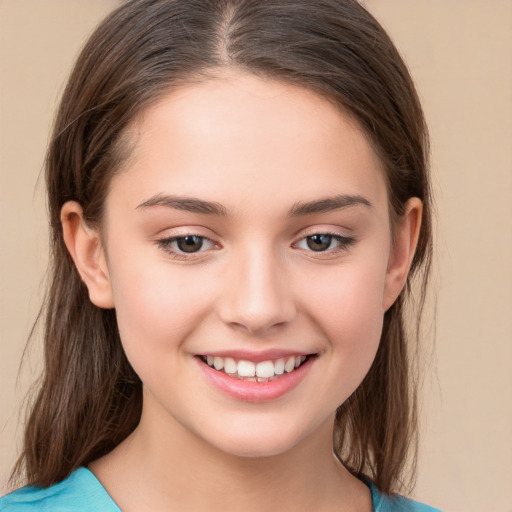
<point x="240" y="135"/>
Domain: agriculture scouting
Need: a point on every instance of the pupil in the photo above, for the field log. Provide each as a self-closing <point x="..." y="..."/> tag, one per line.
<point x="190" y="243"/>
<point x="319" y="242"/>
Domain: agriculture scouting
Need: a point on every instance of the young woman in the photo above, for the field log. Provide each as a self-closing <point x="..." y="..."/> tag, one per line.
<point x="239" y="200"/>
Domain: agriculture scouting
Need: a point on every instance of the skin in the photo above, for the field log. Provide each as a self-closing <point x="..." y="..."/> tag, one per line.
<point x="258" y="149"/>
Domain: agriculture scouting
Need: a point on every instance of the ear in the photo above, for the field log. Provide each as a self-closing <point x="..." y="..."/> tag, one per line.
<point x="85" y="247"/>
<point x="405" y="240"/>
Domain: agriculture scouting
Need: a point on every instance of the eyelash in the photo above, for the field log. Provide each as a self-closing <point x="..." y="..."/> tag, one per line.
<point x="166" y="244"/>
<point x="343" y="243"/>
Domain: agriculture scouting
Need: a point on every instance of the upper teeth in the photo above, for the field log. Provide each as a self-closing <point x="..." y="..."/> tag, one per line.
<point x="248" y="369"/>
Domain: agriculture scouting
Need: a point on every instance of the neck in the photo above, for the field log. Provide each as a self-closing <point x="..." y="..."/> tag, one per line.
<point x="169" y="468"/>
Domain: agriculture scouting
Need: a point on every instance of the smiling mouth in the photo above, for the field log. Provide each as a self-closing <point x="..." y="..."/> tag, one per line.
<point x="263" y="371"/>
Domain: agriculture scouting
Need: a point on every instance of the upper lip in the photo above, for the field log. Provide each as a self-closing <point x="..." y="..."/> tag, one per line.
<point x="257" y="355"/>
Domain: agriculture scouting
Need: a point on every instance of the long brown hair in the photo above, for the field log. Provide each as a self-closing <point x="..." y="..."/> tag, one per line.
<point x="90" y="398"/>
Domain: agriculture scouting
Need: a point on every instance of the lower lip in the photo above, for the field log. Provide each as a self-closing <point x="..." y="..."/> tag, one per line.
<point x="250" y="391"/>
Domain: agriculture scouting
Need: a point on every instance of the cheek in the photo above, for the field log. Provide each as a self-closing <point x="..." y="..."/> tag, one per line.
<point x="157" y="306"/>
<point x="348" y="308"/>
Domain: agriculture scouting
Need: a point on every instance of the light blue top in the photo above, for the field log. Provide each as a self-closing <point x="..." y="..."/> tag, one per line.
<point x="82" y="492"/>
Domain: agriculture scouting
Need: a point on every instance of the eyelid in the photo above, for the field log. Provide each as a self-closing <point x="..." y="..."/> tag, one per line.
<point x="165" y="243"/>
<point x="344" y="242"/>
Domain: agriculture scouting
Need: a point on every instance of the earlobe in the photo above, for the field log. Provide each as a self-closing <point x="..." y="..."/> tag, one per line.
<point x="405" y="240"/>
<point x="86" y="249"/>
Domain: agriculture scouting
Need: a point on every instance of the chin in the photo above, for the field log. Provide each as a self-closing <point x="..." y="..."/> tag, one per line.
<point x="260" y="441"/>
<point x="258" y="449"/>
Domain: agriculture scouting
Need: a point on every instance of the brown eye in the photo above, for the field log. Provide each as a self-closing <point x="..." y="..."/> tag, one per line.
<point x="188" y="247"/>
<point x="325" y="244"/>
<point x="190" y="243"/>
<point x="319" y="242"/>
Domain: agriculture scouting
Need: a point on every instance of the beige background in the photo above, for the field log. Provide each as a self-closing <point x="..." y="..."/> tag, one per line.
<point x="460" y="53"/>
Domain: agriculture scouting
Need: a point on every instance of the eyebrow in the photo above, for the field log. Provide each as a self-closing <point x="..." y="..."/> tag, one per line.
<point x="328" y="204"/>
<point x="187" y="204"/>
<point x="195" y="205"/>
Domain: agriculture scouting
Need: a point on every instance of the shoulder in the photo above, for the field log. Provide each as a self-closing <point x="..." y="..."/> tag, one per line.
<point x="384" y="503"/>
<point x="81" y="491"/>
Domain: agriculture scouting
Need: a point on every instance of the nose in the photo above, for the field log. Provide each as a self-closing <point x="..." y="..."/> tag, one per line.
<point x="257" y="293"/>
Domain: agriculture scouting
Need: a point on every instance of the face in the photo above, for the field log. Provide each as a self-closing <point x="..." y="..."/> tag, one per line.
<point x="247" y="250"/>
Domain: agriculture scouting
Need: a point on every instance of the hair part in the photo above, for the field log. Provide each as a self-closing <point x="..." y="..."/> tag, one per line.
<point x="90" y="398"/>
